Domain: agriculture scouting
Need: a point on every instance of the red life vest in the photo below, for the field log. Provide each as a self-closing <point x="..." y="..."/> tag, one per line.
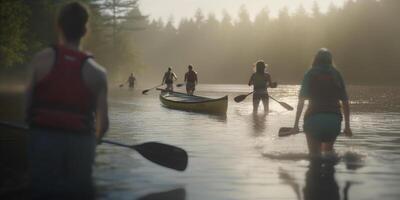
<point x="61" y="100"/>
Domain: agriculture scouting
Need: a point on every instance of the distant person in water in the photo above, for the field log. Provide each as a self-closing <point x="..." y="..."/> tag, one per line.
<point x="131" y="81"/>
<point x="168" y="79"/>
<point x="191" y="80"/>
<point x="67" y="112"/>
<point x="261" y="80"/>
<point x="324" y="88"/>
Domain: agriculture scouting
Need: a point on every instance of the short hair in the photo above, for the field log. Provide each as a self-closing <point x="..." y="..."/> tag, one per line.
<point x="72" y="20"/>
<point x="190" y="67"/>
<point x="323" y="57"/>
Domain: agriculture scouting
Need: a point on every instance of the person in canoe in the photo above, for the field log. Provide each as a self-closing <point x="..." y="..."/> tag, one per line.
<point x="131" y="81"/>
<point x="324" y="88"/>
<point x="260" y="80"/>
<point x="190" y="80"/>
<point x="168" y="79"/>
<point x="67" y="112"/>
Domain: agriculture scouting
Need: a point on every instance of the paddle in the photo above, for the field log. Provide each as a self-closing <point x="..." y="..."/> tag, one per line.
<point x="287" y="131"/>
<point x="180" y="84"/>
<point x="163" y="154"/>
<point x="240" y="98"/>
<point x="145" y="91"/>
<point x="283" y="104"/>
<point x="121" y="85"/>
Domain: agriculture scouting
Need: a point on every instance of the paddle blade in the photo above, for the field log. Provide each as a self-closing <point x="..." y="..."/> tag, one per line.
<point x="286" y="131"/>
<point x="164" y="155"/>
<point x="180" y="85"/>
<point x="145" y="91"/>
<point x="240" y="98"/>
<point x="285" y="105"/>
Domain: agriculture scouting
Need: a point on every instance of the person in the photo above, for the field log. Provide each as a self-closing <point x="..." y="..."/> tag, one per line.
<point x="131" y="81"/>
<point x="260" y="80"/>
<point x="67" y="112"/>
<point x="324" y="88"/>
<point x="190" y="80"/>
<point x="168" y="79"/>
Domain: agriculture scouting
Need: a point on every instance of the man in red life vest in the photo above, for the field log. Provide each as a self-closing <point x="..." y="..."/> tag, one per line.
<point x="67" y="112"/>
<point x="190" y="80"/>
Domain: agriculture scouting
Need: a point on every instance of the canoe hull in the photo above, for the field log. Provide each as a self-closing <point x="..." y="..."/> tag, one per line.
<point x="206" y="105"/>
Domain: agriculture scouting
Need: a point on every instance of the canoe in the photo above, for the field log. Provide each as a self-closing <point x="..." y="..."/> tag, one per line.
<point x="181" y="101"/>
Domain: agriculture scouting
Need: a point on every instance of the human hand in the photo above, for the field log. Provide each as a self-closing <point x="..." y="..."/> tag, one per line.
<point x="347" y="132"/>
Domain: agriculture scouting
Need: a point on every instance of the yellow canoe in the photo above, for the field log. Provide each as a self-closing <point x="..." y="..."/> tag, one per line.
<point x="181" y="101"/>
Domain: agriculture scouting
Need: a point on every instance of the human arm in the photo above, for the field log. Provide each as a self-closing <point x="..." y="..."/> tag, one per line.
<point x="174" y="76"/>
<point x="102" y="121"/>
<point x="300" y="106"/>
<point x="195" y="77"/>
<point x="186" y="77"/>
<point x="346" y="111"/>
<point x="251" y="81"/>
<point x="163" y="79"/>
<point x="95" y="76"/>
<point x="346" y="107"/>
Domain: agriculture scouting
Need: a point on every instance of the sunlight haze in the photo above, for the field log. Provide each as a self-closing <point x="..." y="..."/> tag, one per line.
<point x="185" y="8"/>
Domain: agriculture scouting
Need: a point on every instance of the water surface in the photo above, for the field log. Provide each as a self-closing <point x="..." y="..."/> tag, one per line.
<point x="240" y="156"/>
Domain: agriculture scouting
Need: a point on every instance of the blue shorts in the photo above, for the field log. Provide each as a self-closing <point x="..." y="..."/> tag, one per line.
<point x="61" y="164"/>
<point x="324" y="127"/>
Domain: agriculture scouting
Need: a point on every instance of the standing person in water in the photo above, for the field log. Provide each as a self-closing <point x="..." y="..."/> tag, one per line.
<point x="67" y="112"/>
<point x="131" y="81"/>
<point x="190" y="80"/>
<point x="260" y="80"/>
<point x="324" y="88"/>
<point x="168" y="79"/>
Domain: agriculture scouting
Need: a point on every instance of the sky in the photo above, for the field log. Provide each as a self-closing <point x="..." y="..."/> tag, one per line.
<point x="179" y="9"/>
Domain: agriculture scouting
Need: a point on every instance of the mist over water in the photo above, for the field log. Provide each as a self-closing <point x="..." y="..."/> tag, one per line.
<point x="240" y="156"/>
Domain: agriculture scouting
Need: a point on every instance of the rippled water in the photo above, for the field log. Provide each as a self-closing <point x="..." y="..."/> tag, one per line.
<point x="240" y="156"/>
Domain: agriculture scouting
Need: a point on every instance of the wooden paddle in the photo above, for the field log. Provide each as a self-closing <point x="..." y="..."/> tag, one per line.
<point x="163" y="154"/>
<point x="240" y="98"/>
<point x="145" y="91"/>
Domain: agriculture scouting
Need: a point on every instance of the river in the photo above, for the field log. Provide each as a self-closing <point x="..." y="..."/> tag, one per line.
<point x="240" y="156"/>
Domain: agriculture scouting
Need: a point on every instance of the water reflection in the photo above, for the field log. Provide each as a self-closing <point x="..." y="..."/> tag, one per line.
<point x="176" y="194"/>
<point x="321" y="182"/>
<point x="259" y="124"/>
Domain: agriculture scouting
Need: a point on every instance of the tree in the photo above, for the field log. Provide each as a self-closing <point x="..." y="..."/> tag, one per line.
<point x="13" y="27"/>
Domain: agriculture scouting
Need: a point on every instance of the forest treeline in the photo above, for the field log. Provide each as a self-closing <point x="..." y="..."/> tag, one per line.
<point x="364" y="36"/>
<point x="26" y="26"/>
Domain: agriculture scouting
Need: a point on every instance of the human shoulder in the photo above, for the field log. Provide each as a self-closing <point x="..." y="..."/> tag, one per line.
<point x="42" y="57"/>
<point x="95" y="75"/>
<point x="94" y="67"/>
<point x="42" y="63"/>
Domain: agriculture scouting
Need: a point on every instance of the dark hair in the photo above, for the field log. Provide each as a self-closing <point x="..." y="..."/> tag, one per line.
<point x="72" y="20"/>
<point x="323" y="57"/>
<point x="169" y="68"/>
<point x="260" y="66"/>
<point x="190" y="67"/>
